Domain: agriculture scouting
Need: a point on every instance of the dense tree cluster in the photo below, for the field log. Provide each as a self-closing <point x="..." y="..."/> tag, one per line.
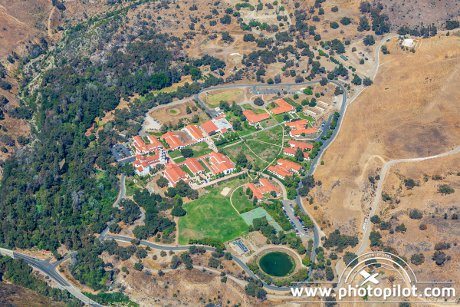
<point x="340" y="241"/>
<point x="154" y="222"/>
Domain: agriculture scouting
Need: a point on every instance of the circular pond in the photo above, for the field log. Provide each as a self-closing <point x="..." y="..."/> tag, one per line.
<point x="276" y="263"/>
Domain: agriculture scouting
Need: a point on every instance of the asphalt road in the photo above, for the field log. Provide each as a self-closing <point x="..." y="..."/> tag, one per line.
<point x="314" y="164"/>
<point x="49" y="269"/>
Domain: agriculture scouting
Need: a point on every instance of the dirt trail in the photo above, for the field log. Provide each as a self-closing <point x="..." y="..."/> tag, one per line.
<point x="50" y="16"/>
<point x="378" y="194"/>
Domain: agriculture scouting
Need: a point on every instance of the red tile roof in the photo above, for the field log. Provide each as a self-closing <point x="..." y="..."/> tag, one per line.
<point x="266" y="186"/>
<point x="255" y="191"/>
<point x="305" y="131"/>
<point x="172" y="139"/>
<point x="194" y="131"/>
<point x="142" y="147"/>
<point x="289" y="165"/>
<point x="209" y="127"/>
<point x="278" y="170"/>
<point x="154" y="141"/>
<point x="194" y="165"/>
<point x="174" y="173"/>
<point x="297" y="124"/>
<point x="255" y="118"/>
<point x="289" y="151"/>
<point x="219" y="162"/>
<point x="282" y="107"/>
<point x="301" y="145"/>
<point x="147" y="160"/>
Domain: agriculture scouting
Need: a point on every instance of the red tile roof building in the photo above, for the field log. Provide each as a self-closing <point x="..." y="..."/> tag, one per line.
<point x="143" y="163"/>
<point x="173" y="139"/>
<point x="282" y="107"/>
<point x="255" y="191"/>
<point x="289" y="151"/>
<point x="289" y="165"/>
<point x="300" y="127"/>
<point x="209" y="127"/>
<point x="143" y="148"/>
<point x="254" y="118"/>
<point x="195" y="132"/>
<point x="279" y="171"/>
<point x="174" y="174"/>
<point x="194" y="166"/>
<point x="264" y="187"/>
<point x="301" y="145"/>
<point x="220" y="163"/>
<point x="215" y="125"/>
<point x="284" y="168"/>
<point x="301" y="132"/>
<point x="297" y="124"/>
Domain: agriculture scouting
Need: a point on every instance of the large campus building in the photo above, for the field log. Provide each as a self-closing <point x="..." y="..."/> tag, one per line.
<point x="284" y="168"/>
<point x="148" y="154"/>
<point x="254" y="118"/>
<point x="216" y="125"/>
<point x="282" y="107"/>
<point x="263" y="187"/>
<point x="300" y="128"/>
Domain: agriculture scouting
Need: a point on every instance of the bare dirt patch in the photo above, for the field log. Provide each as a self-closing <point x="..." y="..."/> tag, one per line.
<point x="171" y="115"/>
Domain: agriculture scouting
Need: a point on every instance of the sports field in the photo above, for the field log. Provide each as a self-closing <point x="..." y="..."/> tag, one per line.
<point x="213" y="98"/>
<point x="212" y="216"/>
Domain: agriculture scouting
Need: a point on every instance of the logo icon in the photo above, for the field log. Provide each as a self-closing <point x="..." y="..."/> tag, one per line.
<point x="369" y="278"/>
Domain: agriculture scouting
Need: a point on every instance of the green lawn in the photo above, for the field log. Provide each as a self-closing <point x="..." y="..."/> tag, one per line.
<point x="265" y="145"/>
<point x="212" y="216"/>
<point x="265" y="151"/>
<point x="185" y="169"/>
<point x="200" y="149"/>
<point x="247" y="129"/>
<point x="273" y="135"/>
<point x="241" y="201"/>
<point x="233" y="151"/>
<point x="175" y="154"/>
<point x="304" y="116"/>
<point x="131" y="187"/>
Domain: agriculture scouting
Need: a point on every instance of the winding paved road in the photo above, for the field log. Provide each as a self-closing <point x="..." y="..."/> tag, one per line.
<point x="49" y="269"/>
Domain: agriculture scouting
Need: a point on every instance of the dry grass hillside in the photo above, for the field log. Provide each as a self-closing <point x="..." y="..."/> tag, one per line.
<point x="12" y="295"/>
<point x="414" y="12"/>
<point x="438" y="219"/>
<point x="411" y="110"/>
<point x="20" y="21"/>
